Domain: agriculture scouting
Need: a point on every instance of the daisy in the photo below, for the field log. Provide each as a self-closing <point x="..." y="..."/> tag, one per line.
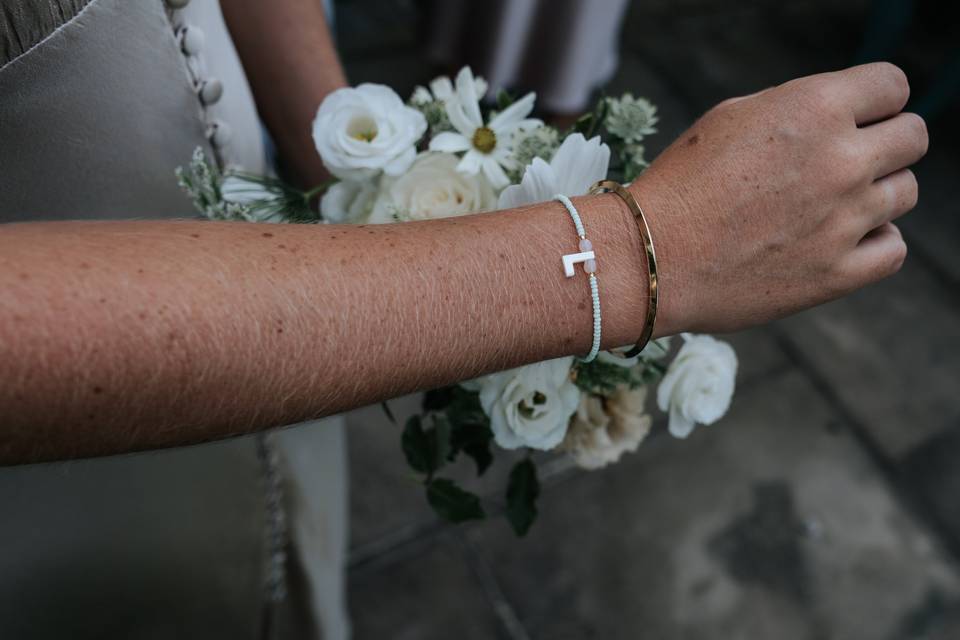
<point x="441" y="90"/>
<point x="486" y="145"/>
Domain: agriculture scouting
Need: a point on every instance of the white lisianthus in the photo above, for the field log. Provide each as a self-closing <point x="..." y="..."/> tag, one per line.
<point x="603" y="429"/>
<point x="529" y="406"/>
<point x="360" y="132"/>
<point x="348" y="201"/>
<point x="574" y="168"/>
<point x="487" y="146"/>
<point x="432" y="188"/>
<point x="699" y="383"/>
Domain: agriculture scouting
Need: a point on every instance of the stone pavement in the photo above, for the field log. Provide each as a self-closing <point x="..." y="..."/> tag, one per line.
<point x="825" y="505"/>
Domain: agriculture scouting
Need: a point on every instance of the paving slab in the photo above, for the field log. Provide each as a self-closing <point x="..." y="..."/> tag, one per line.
<point x="772" y="525"/>
<point x="427" y="593"/>
<point x="934" y="226"/>
<point x="890" y="353"/>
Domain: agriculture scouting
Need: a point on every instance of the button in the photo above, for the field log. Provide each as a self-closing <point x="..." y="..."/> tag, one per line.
<point x="177" y="4"/>
<point x="191" y="40"/>
<point x="219" y="133"/>
<point x="210" y="91"/>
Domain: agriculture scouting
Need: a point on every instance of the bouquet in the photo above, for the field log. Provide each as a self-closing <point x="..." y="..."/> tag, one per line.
<point x="440" y="155"/>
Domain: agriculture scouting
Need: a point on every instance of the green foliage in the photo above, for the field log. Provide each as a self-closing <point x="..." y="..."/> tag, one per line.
<point x="426" y="449"/>
<point x="523" y="489"/>
<point x="603" y="378"/>
<point x="453" y="503"/>
<point x="473" y="440"/>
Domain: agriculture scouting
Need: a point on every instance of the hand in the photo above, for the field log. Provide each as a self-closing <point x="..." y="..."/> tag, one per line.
<point x="783" y="199"/>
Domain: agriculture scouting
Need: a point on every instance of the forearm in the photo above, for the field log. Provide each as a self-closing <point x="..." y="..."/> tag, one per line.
<point x="291" y="63"/>
<point x="133" y="335"/>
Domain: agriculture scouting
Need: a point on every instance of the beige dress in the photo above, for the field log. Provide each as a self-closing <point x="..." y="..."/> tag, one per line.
<point x="99" y="101"/>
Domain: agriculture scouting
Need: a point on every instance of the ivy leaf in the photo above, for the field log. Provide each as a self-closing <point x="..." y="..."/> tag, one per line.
<point x="523" y="489"/>
<point x="453" y="503"/>
<point x="474" y="440"/>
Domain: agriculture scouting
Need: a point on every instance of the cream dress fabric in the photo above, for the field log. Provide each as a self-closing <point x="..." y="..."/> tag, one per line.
<point x="98" y="104"/>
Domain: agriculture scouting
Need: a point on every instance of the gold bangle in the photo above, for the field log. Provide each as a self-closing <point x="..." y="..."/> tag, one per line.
<point x="609" y="186"/>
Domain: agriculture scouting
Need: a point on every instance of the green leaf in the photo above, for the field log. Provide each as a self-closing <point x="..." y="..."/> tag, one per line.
<point x="439" y="437"/>
<point x="453" y="503"/>
<point x="438" y="399"/>
<point x="416" y="446"/>
<point x="523" y="489"/>
<point x="584" y="124"/>
<point x="465" y="408"/>
<point x="426" y="449"/>
<point x="474" y="440"/>
<point x="504" y="99"/>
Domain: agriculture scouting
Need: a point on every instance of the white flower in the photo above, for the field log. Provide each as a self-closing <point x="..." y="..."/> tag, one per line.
<point x="238" y="190"/>
<point x="529" y="406"/>
<point x="630" y="118"/>
<point x="487" y="145"/>
<point x="603" y="429"/>
<point x="539" y="142"/>
<point x="432" y="188"/>
<point x="441" y="89"/>
<point x="361" y="131"/>
<point x="348" y="201"/>
<point x="699" y="384"/>
<point x="574" y="168"/>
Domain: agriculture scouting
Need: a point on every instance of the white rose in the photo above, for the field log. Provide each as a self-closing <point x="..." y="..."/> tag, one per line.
<point x="603" y="429"/>
<point x="348" y="201"/>
<point x="699" y="384"/>
<point x="361" y="131"/>
<point x="529" y="406"/>
<point x="432" y="188"/>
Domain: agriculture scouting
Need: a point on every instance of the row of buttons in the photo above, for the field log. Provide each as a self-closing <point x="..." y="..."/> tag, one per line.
<point x="209" y="90"/>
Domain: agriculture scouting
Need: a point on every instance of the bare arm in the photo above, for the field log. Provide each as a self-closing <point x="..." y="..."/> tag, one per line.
<point x="119" y="336"/>
<point x="131" y="335"/>
<point x="291" y="63"/>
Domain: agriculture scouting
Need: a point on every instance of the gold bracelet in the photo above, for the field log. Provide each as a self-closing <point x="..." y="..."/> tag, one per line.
<point x="609" y="186"/>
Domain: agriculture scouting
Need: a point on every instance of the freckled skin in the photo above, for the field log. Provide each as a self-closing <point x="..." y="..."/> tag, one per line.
<point x="205" y="357"/>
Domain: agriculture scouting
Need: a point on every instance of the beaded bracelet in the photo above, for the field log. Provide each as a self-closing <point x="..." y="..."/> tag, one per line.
<point x="589" y="260"/>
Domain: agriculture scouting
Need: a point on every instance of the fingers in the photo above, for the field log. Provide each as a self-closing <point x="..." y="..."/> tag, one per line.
<point x="891" y="197"/>
<point x="895" y="143"/>
<point x="880" y="254"/>
<point x="874" y="91"/>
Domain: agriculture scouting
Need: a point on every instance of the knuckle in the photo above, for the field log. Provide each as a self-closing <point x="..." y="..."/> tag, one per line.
<point x="823" y="96"/>
<point x="918" y="131"/>
<point x="845" y="161"/>
<point x="911" y="193"/>
<point x="898" y="255"/>
<point x="896" y="77"/>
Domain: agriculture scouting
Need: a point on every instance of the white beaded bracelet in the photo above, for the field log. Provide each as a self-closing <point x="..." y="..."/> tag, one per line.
<point x="589" y="260"/>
